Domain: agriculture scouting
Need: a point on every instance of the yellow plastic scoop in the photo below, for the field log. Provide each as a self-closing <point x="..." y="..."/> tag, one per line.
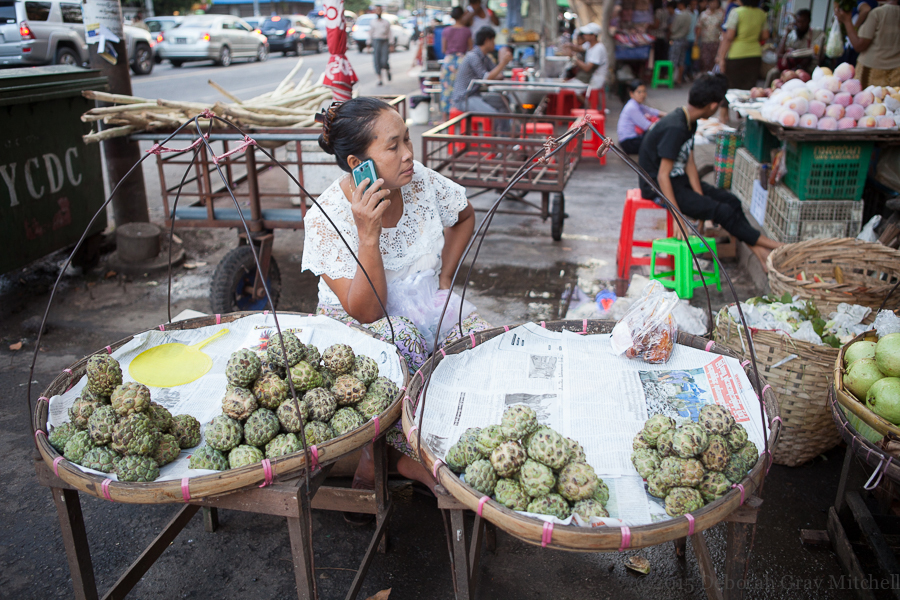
<point x="173" y="364"/>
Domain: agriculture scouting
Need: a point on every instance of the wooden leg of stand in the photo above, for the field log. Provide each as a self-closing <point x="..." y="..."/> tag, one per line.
<point x="445" y="517"/>
<point x="490" y="536"/>
<point x="680" y="545"/>
<point x="379" y="453"/>
<point x="380" y="532"/>
<point x="210" y="518"/>
<point x="301" y="538"/>
<point x="460" y="554"/>
<point x="475" y="554"/>
<point x="842" y="484"/>
<point x="71" y="524"/>
<point x="707" y="569"/>
<point x="846" y="556"/>
<point x="736" y="558"/>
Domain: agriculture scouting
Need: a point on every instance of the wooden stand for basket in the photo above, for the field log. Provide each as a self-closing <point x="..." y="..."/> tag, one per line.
<point x="237" y="489"/>
<point x="737" y="508"/>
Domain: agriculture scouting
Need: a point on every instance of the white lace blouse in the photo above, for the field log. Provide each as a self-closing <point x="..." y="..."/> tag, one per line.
<point x="430" y="203"/>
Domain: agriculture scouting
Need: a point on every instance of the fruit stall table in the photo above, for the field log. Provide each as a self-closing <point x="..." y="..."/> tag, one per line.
<point x="738" y="507"/>
<point x="287" y="486"/>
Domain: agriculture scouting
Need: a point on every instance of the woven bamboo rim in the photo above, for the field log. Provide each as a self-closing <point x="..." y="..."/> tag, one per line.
<point x="850" y="402"/>
<point x="572" y="537"/>
<point x="865" y="450"/>
<point x="801" y="386"/>
<point x="223" y="482"/>
<point x="870" y="271"/>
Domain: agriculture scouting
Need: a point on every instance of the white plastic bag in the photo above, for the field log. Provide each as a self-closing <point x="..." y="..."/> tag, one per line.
<point x="834" y="47"/>
<point x="418" y="298"/>
<point x="868" y="231"/>
<point x="648" y="329"/>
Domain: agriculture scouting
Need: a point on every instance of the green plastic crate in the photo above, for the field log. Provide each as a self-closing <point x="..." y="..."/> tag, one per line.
<point x="759" y="141"/>
<point x="827" y="171"/>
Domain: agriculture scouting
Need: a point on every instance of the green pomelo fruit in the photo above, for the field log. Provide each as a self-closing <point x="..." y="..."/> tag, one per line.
<point x="861" y="375"/>
<point x="887" y="355"/>
<point x="858" y="350"/>
<point x="884" y="398"/>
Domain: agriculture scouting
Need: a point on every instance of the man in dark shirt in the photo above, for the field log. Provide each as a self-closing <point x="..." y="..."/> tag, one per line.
<point x="667" y="154"/>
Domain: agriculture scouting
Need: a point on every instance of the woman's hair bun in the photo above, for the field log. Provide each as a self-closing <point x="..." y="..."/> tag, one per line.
<point x="326" y="118"/>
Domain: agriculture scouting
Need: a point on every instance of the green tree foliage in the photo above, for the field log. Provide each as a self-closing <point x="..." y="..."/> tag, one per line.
<point x="357" y="6"/>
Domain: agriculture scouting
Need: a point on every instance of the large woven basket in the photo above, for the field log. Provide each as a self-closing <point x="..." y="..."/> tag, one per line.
<point x="801" y="385"/>
<point x="869" y="271"/>
<point x="572" y="537"/>
<point x="872" y="426"/>
<point x="223" y="482"/>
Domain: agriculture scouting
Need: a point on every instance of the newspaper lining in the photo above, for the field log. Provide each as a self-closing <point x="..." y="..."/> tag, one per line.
<point x="202" y="398"/>
<point x="579" y="387"/>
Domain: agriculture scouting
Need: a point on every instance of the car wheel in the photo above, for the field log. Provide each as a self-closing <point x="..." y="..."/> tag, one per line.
<point x="176" y="63"/>
<point x="322" y="47"/>
<point x="262" y="55"/>
<point x="143" y="60"/>
<point x="66" y="56"/>
<point x="224" y="57"/>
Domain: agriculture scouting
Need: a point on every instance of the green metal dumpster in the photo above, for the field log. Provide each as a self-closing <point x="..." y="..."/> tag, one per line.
<point x="51" y="183"/>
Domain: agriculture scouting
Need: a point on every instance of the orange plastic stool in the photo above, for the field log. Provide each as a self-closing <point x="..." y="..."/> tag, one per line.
<point x="625" y="258"/>
<point x="591" y="142"/>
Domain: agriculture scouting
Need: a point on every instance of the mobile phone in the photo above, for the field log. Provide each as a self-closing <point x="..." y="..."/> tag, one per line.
<point x="365" y="170"/>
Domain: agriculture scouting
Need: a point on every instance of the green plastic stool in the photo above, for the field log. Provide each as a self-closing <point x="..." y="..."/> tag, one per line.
<point x="685" y="277"/>
<point x="669" y="79"/>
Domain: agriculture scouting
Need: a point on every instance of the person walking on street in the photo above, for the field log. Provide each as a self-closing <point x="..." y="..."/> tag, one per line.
<point x="679" y="28"/>
<point x="876" y="42"/>
<point x="380" y="38"/>
<point x="708" y="32"/>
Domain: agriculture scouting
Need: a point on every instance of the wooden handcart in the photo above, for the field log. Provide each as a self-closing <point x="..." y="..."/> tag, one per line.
<point x="471" y="150"/>
<point x="283" y="491"/>
<point x="738" y="508"/>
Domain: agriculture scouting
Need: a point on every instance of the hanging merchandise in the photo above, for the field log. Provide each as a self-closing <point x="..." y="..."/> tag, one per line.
<point x="834" y="47"/>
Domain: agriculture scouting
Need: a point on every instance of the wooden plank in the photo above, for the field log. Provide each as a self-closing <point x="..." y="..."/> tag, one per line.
<point x="707" y="569"/>
<point x="46" y="477"/>
<point x="301" y="538"/>
<point x="345" y="500"/>
<point x="460" y="555"/>
<point x="210" y="519"/>
<point x="278" y="499"/>
<point x="380" y="532"/>
<point x="78" y="552"/>
<point x="846" y="556"/>
<point x="475" y="554"/>
<point x="680" y="547"/>
<point x="139" y="567"/>
<point x="842" y="483"/>
<point x="883" y="552"/>
<point x="815" y="537"/>
<point x="736" y="557"/>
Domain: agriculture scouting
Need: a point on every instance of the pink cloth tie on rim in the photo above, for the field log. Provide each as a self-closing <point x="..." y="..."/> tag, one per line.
<point x="472" y="336"/>
<point x="218" y="319"/>
<point x="434" y="469"/>
<point x="377" y="427"/>
<point x="267" y="471"/>
<point x="410" y="432"/>
<point x="185" y="489"/>
<point x="690" y="519"/>
<point x="626" y="538"/>
<point x="709" y="345"/>
<point x="314" y="454"/>
<point x="740" y="487"/>
<point x="104" y="487"/>
<point x="481" y="504"/>
<point x="547" y="534"/>
<point x="56" y="462"/>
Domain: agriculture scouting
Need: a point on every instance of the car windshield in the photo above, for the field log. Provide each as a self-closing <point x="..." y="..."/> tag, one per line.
<point x="156" y="26"/>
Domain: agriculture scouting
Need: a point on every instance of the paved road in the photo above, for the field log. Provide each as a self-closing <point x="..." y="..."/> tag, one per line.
<point x="248" y="79"/>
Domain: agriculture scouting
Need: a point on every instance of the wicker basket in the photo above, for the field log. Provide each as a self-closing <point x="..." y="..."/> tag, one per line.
<point x="801" y="385"/>
<point x="858" y="411"/>
<point x="869" y="270"/>
<point x="572" y="537"/>
<point x="160" y="492"/>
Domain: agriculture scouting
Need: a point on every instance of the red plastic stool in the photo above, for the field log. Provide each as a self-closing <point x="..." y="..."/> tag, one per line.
<point x="544" y="129"/>
<point x="625" y="258"/>
<point x="561" y="104"/>
<point x="591" y="142"/>
<point x="480" y="126"/>
<point x="595" y="98"/>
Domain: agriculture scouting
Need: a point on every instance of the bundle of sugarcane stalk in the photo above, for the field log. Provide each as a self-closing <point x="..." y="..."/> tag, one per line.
<point x="290" y="105"/>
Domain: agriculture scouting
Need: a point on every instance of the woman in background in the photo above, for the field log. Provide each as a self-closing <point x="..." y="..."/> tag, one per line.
<point x="708" y="32"/>
<point x="636" y="118"/>
<point x="456" y="41"/>
<point x="740" y="52"/>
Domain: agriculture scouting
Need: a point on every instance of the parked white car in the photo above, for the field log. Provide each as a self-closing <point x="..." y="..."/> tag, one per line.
<point x="360" y="31"/>
<point x="219" y="38"/>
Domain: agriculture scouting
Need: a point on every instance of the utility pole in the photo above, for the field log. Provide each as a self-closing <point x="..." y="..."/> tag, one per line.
<point x="130" y="201"/>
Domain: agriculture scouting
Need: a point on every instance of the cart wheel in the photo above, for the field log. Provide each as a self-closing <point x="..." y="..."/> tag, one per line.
<point x="236" y="273"/>
<point x="557" y="216"/>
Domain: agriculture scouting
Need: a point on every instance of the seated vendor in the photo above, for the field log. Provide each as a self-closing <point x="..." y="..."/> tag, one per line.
<point x="636" y="118"/>
<point x="478" y="65"/>
<point x="667" y="153"/>
<point x="595" y="63"/>
<point x="802" y="38"/>
<point x="408" y="228"/>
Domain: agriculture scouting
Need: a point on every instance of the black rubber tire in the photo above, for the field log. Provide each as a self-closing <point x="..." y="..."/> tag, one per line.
<point x="557" y="216"/>
<point x="321" y="47"/>
<point x="66" y="56"/>
<point x="177" y="63"/>
<point x="224" y="57"/>
<point x="262" y="55"/>
<point x="143" y="60"/>
<point x="233" y="275"/>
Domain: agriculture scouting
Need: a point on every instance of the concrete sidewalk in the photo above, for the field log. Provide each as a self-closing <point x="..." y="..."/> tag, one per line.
<point x="519" y="276"/>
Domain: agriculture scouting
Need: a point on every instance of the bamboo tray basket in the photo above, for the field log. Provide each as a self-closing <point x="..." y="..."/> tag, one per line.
<point x="869" y="270"/>
<point x="858" y="410"/>
<point x="223" y="482"/>
<point x="572" y="537"/>
<point x="870" y="454"/>
<point x="801" y="386"/>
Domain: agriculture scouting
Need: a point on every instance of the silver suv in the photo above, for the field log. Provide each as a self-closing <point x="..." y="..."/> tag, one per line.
<point x="41" y="32"/>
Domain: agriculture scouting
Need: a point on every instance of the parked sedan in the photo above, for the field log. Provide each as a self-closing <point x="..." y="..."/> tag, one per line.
<point x="399" y="35"/>
<point x="220" y="38"/>
<point x="293" y="33"/>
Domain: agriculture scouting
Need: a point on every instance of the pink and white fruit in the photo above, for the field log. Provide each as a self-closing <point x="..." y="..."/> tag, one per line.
<point x="788" y="75"/>
<point x="844" y="71"/>
<point x="877" y="91"/>
<point x="851" y="86"/>
<point x="885" y="122"/>
<point x="802" y="93"/>
<point x="843" y="98"/>
<point x="813" y="86"/>
<point x="798" y="105"/>
<point x="846" y="123"/>
<point x="855" y="111"/>
<point x="803" y="75"/>
<point x="818" y="108"/>
<point x="831" y="83"/>
<point x="892" y="102"/>
<point x="876" y="110"/>
<point x="820" y="72"/>
<point x="835" y="111"/>
<point x="793" y="85"/>
<point x="824" y="96"/>
<point x="778" y="96"/>
<point x="867" y="122"/>
<point x="810" y="121"/>
<point x="827" y="124"/>
<point x="864" y="98"/>
<point x="789" y="118"/>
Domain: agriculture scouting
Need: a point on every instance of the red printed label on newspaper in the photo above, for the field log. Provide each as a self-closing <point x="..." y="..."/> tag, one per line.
<point x="724" y="389"/>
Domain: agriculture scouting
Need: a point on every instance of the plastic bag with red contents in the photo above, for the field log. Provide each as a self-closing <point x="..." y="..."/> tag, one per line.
<point x="648" y="330"/>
